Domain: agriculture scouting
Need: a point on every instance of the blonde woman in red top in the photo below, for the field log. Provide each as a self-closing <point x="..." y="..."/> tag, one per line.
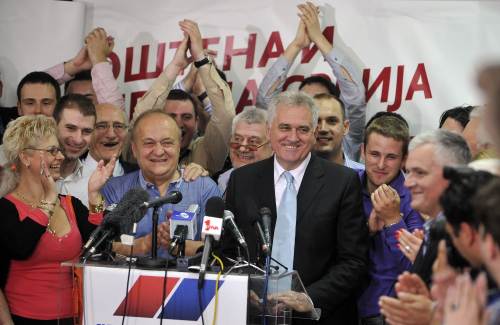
<point x="39" y="229"/>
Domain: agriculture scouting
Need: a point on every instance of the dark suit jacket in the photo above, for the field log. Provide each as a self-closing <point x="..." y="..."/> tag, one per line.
<point x="331" y="235"/>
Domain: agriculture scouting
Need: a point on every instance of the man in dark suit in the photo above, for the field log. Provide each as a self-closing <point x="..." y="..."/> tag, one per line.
<point x="327" y="233"/>
<point x="428" y="153"/>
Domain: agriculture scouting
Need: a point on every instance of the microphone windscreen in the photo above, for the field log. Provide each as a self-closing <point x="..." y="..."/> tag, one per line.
<point x="215" y="207"/>
<point x="178" y="197"/>
<point x="126" y="211"/>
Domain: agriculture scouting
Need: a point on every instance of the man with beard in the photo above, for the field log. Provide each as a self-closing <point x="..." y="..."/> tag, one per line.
<point x="332" y="127"/>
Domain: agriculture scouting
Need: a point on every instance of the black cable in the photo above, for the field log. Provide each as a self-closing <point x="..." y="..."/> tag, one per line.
<point x="128" y="282"/>
<point x="200" y="305"/>
<point x="164" y="293"/>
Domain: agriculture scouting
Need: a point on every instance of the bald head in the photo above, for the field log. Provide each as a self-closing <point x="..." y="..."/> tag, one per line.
<point x="110" y="132"/>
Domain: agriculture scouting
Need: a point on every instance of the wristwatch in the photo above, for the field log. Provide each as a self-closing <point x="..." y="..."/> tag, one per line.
<point x="202" y="97"/>
<point x="201" y="62"/>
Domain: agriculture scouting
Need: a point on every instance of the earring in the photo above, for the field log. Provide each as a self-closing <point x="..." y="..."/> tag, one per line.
<point x="27" y="165"/>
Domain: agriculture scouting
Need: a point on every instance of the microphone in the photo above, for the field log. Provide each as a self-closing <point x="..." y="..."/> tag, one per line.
<point x="119" y="220"/>
<point x="172" y="197"/>
<point x="260" y="234"/>
<point x="211" y="230"/>
<point x="265" y="214"/>
<point x="187" y="218"/>
<point x="179" y="237"/>
<point x="233" y="227"/>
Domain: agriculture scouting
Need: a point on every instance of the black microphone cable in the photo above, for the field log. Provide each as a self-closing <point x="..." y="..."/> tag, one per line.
<point x="136" y="211"/>
<point x="128" y="277"/>
<point x="164" y="291"/>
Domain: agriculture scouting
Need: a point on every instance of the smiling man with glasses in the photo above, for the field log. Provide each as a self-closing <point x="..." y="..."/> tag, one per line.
<point x="106" y="142"/>
<point x="249" y="141"/>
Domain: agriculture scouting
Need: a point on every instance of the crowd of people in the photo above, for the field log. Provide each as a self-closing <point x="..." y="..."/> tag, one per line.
<point x="382" y="227"/>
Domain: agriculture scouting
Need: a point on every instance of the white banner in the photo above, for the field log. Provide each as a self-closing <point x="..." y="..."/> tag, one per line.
<point x="417" y="58"/>
<point x="35" y="35"/>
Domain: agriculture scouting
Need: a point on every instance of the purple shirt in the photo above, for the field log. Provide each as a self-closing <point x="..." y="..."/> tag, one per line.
<point x="387" y="262"/>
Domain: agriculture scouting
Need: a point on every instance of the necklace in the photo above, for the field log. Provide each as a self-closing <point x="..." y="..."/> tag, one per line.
<point x="34" y="205"/>
<point x="30" y="203"/>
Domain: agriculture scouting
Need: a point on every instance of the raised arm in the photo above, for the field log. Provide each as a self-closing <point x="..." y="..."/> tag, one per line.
<point x="275" y="78"/>
<point x="156" y="96"/>
<point x="93" y="57"/>
<point x="211" y="151"/>
<point x="99" y="47"/>
<point x="352" y="91"/>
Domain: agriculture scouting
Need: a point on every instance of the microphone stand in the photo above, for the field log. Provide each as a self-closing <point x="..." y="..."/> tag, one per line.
<point x="241" y="263"/>
<point x="153" y="261"/>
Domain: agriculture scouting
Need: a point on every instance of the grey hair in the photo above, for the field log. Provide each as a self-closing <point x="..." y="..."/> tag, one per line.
<point x="293" y="98"/>
<point x="250" y="115"/>
<point x="450" y="148"/>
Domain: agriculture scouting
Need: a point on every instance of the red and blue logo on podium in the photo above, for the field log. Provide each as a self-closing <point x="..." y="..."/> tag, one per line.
<point x="182" y="303"/>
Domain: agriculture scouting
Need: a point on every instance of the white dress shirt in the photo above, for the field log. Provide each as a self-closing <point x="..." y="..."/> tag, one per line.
<point x="280" y="181"/>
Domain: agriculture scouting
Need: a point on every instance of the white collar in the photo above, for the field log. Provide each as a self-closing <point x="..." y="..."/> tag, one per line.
<point x="297" y="173"/>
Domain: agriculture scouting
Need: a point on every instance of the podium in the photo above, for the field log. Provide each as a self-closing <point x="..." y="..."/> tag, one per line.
<point x="104" y="295"/>
<point x="240" y="299"/>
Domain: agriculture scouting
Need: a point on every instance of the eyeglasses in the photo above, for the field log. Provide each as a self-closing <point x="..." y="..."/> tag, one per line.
<point x="250" y="147"/>
<point x="104" y="126"/>
<point x="52" y="150"/>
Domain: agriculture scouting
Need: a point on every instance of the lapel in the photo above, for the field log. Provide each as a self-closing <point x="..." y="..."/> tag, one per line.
<point x="311" y="184"/>
<point x="264" y="187"/>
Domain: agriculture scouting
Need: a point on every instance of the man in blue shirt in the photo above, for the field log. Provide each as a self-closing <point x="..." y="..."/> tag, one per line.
<point x="386" y="203"/>
<point x="155" y="144"/>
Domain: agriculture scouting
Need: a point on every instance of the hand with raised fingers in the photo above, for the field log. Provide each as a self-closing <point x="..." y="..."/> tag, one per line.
<point x="407" y="309"/>
<point x="48" y="183"/>
<point x="411" y="283"/>
<point x="464" y="303"/>
<point x="375" y="224"/>
<point x="309" y="15"/>
<point x="181" y="60"/>
<point x="443" y="276"/>
<point x="80" y="62"/>
<point x="98" y="178"/>
<point x="195" y="40"/>
<point x="301" y="39"/>
<point x="385" y="202"/>
<point x="409" y="244"/>
<point x="99" y="45"/>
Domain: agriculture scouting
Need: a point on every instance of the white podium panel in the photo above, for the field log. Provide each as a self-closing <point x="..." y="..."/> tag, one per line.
<point x="104" y="293"/>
